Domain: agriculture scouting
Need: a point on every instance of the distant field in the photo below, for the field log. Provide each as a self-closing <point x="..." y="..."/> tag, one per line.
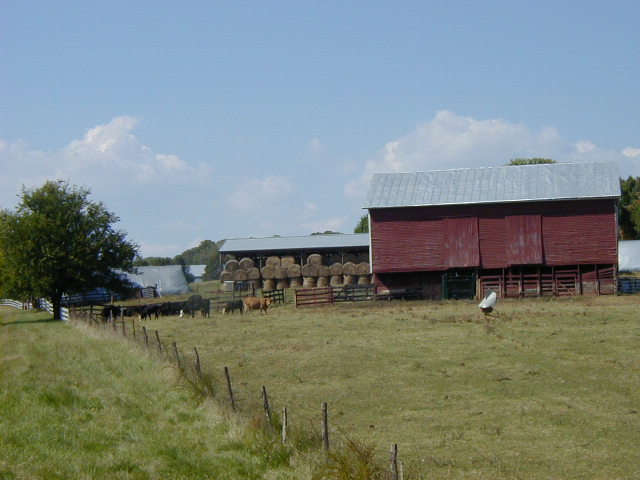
<point x="547" y="390"/>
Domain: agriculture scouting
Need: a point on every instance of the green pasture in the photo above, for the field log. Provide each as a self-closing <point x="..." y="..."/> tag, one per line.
<point x="79" y="404"/>
<point x="549" y="389"/>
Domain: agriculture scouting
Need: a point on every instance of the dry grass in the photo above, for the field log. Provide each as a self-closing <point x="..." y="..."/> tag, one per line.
<point x="547" y="390"/>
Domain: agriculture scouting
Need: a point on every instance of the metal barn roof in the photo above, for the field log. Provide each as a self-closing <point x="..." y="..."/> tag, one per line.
<point x="556" y="181"/>
<point x="307" y="242"/>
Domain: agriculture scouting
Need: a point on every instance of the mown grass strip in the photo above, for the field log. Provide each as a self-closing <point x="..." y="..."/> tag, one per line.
<point x="75" y="405"/>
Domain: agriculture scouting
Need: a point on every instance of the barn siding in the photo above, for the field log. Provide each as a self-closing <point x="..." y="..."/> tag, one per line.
<point x="523" y="240"/>
<point x="492" y="233"/>
<point x="463" y="248"/>
<point x="572" y="232"/>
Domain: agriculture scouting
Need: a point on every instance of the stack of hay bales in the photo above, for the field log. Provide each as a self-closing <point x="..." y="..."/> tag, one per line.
<point x="242" y="270"/>
<point x="318" y="270"/>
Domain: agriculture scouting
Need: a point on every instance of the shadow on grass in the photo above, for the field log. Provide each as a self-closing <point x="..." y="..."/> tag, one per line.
<point x="39" y="320"/>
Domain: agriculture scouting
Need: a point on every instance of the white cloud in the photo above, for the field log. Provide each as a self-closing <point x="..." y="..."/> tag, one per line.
<point x="108" y="153"/>
<point x="452" y="141"/>
<point x="255" y="194"/>
<point x="631" y="152"/>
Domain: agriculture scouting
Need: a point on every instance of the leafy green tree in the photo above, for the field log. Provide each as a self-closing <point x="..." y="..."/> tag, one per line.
<point x="56" y="241"/>
<point x="629" y="209"/>
<point x="363" y="225"/>
<point x="530" y="161"/>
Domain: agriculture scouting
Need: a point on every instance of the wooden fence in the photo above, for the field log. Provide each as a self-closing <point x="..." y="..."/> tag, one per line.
<point x="329" y="295"/>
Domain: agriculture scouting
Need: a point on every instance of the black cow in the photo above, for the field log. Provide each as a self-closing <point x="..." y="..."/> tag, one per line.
<point x="232" y="306"/>
<point x="205" y="307"/>
<point x="110" y="311"/>
<point x="148" y="310"/>
<point x="192" y="305"/>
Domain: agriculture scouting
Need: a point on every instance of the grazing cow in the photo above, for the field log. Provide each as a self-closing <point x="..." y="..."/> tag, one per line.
<point x="257" y="303"/>
<point x="192" y="305"/>
<point x="205" y="307"/>
<point x="151" y="309"/>
<point x="110" y="311"/>
<point x="232" y="306"/>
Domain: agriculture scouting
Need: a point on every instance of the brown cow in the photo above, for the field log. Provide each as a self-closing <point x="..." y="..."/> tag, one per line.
<point x="257" y="303"/>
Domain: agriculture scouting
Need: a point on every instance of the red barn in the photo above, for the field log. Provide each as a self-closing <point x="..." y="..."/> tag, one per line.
<point x="527" y="230"/>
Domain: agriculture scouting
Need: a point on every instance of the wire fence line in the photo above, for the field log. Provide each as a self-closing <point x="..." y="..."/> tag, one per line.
<point x="219" y="383"/>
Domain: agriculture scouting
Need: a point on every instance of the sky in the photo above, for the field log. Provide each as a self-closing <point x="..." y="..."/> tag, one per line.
<point x="206" y="120"/>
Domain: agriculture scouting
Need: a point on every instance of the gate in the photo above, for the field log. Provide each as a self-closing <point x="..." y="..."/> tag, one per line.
<point x="458" y="285"/>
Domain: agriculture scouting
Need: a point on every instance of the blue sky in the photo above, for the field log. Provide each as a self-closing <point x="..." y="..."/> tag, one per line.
<point x="207" y="120"/>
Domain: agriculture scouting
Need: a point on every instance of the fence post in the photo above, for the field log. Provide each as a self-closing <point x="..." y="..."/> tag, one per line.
<point x="197" y="366"/>
<point x="265" y="402"/>
<point x="325" y="426"/>
<point x="175" y="350"/>
<point x="285" y="424"/>
<point x="159" y="342"/>
<point x="124" y="328"/>
<point x="233" y="402"/>
<point x="394" y="462"/>
<point x="133" y="328"/>
<point x="146" y="337"/>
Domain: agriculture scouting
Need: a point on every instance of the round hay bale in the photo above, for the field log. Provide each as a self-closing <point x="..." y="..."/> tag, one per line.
<point x="309" y="282"/>
<point x="350" y="279"/>
<point x="309" y="270"/>
<point x="282" y="283"/>
<point x="363" y="268"/>
<point x="254" y="285"/>
<point x="350" y="268"/>
<point x="323" y="282"/>
<point x="288" y="260"/>
<point x="323" y="271"/>
<point x="294" y="271"/>
<point x="280" y="273"/>
<point x="335" y="280"/>
<point x="240" y="275"/>
<point x="314" y="259"/>
<point x="232" y="266"/>
<point x="336" y="269"/>
<point x="253" y="274"/>
<point x="349" y="258"/>
<point x="228" y="256"/>
<point x="295" y="281"/>
<point x="268" y="284"/>
<point x="364" y="280"/>
<point x="226" y="276"/>
<point x="268" y="272"/>
<point x="273" y="261"/>
<point x="246" y="263"/>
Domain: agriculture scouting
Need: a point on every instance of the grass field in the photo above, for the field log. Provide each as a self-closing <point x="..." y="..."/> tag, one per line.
<point x="550" y="389"/>
<point x="75" y="404"/>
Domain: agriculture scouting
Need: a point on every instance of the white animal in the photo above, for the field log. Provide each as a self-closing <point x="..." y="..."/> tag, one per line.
<point x="488" y="302"/>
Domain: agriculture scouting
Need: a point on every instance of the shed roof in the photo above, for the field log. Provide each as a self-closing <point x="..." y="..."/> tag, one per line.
<point x="307" y="242"/>
<point x="556" y="181"/>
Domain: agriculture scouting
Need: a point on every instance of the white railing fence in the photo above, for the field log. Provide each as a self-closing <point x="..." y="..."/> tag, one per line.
<point x="41" y="304"/>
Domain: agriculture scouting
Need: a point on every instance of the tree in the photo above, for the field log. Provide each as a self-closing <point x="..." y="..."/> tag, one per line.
<point x="530" y="161"/>
<point x="629" y="208"/>
<point x="363" y="225"/>
<point x="56" y="241"/>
